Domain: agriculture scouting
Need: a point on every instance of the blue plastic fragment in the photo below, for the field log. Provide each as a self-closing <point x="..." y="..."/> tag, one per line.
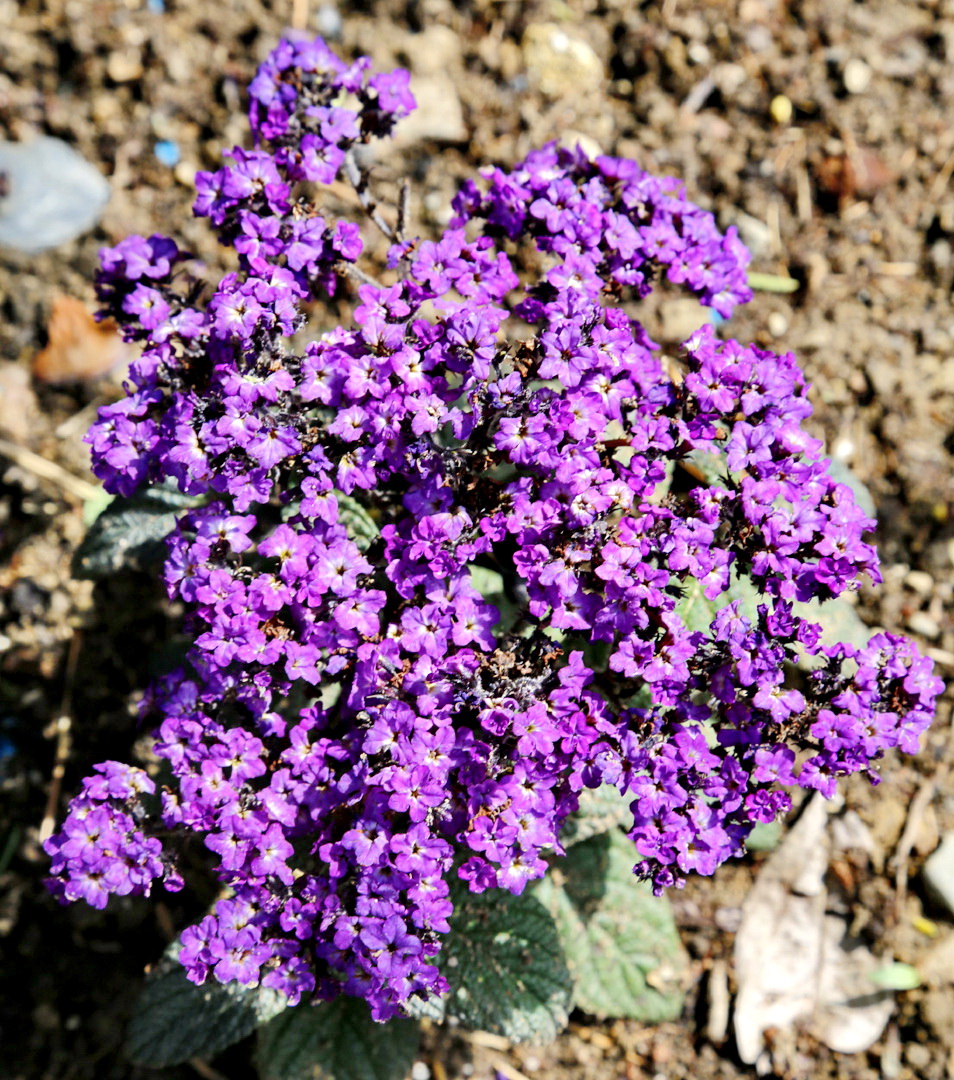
<point x="167" y="153"/>
<point x="715" y="318"/>
<point x="157" y="7"/>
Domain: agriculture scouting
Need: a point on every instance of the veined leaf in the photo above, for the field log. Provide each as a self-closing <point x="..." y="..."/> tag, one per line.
<point x="620" y="941"/>
<point x="129" y="533"/>
<point x="335" y="1040"/>
<point x="175" y="1020"/>
<point x="504" y="962"/>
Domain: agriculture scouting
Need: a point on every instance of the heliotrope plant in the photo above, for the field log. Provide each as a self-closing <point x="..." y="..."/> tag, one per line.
<point x="438" y="562"/>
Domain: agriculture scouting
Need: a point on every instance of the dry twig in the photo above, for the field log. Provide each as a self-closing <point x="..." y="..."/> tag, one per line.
<point x="48" y="470"/>
<point x="61" y="728"/>
<point x="919" y="805"/>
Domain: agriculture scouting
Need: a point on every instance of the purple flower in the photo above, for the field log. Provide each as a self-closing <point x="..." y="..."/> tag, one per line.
<point x="447" y="574"/>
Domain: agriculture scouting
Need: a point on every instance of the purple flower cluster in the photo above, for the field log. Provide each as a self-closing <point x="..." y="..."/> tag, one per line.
<point x="101" y="850"/>
<point x="360" y="724"/>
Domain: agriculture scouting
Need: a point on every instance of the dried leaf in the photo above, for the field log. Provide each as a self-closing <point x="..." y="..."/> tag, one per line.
<point x="860" y="172"/>
<point x="778" y="945"/>
<point x="79" y="348"/>
<point x="851" y="1011"/>
<point x="793" y="963"/>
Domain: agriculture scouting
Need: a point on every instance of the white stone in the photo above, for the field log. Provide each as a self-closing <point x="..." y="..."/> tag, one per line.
<point x="558" y="63"/>
<point x="857" y="76"/>
<point x="53" y="194"/>
<point x="939" y="873"/>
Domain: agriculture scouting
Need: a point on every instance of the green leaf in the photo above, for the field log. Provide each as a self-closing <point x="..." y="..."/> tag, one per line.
<point x="697" y="611"/>
<point x="433" y="1008"/>
<point x="896" y="976"/>
<point x="129" y="533"/>
<point x="486" y="581"/>
<point x="600" y="810"/>
<point x="175" y="1020"/>
<point x="840" y="472"/>
<point x="95" y="505"/>
<point x="335" y="1040"/>
<point x="773" y="283"/>
<point x="838" y="618"/>
<point x="504" y="962"/>
<point x="766" y="836"/>
<point x="361" y="526"/>
<point x="711" y="467"/>
<point x="621" y="942"/>
<point x="490" y="584"/>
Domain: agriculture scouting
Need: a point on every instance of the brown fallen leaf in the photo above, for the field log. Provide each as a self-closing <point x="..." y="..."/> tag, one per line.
<point x="859" y="172"/>
<point x="80" y="348"/>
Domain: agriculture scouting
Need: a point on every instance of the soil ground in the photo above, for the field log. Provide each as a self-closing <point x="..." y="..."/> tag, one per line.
<point x="824" y="130"/>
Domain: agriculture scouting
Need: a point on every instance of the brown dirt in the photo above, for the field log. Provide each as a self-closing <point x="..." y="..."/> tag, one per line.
<point x="851" y="195"/>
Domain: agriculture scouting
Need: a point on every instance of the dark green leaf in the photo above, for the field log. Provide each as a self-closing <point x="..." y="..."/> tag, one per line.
<point x="711" y="467"/>
<point x="335" y="1040"/>
<point x="697" y="611"/>
<point x="620" y="941"/>
<point x="129" y="533"/>
<point x="838" y="618"/>
<point x="175" y="1020"/>
<point x="486" y="581"/>
<point x="505" y="966"/>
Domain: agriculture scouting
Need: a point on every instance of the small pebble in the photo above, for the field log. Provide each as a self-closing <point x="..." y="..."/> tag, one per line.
<point x="922" y="623"/>
<point x="843" y="450"/>
<point x="728" y="919"/>
<point x="856" y="76"/>
<point x="920" y="581"/>
<point x="918" y="1056"/>
<point x="573" y="139"/>
<point x="185" y="172"/>
<point x="781" y="109"/>
<point x="420" y="1071"/>
<point x="777" y="324"/>
<point x="680" y="317"/>
<point x="53" y="194"/>
<point x="328" y="22"/>
<point x="755" y="234"/>
<point x="125" y="66"/>
<point x="558" y="63"/>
